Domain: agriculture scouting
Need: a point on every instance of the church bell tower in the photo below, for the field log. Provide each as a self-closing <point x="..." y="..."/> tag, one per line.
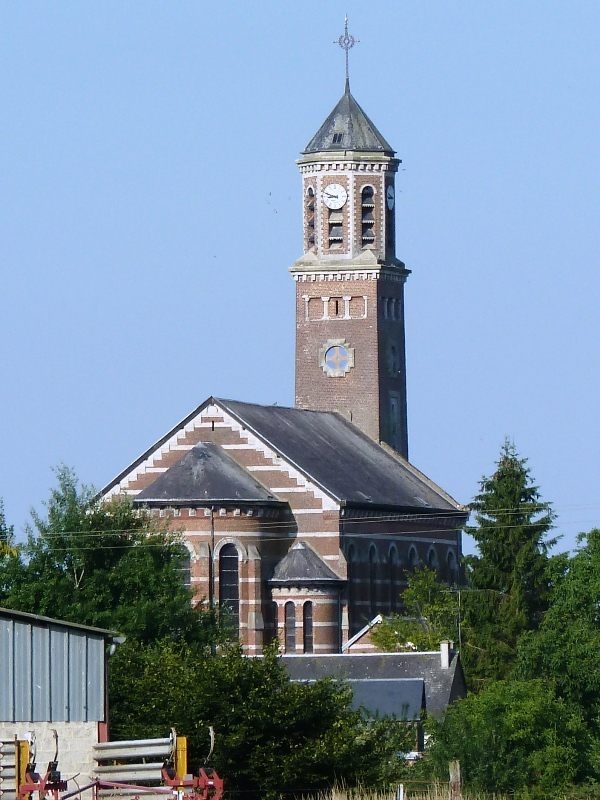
<point x="350" y="354"/>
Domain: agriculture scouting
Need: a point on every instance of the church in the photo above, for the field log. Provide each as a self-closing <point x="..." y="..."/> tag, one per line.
<point x="303" y="521"/>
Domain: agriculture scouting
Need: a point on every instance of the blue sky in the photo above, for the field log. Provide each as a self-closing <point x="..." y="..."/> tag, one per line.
<point x="150" y="209"/>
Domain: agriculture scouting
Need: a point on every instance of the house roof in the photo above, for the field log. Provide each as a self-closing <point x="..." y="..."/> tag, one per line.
<point x="442" y="686"/>
<point x="340" y="459"/>
<point x="204" y="474"/>
<point x="348" y="128"/>
<point x="302" y="565"/>
<point x="403" y="698"/>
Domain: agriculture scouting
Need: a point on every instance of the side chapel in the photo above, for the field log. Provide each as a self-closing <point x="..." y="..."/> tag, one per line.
<point x="303" y="521"/>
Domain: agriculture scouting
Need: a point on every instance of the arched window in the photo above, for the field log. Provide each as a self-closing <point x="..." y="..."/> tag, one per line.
<point x="394" y="580"/>
<point x="432" y="558"/>
<point x="310" y="218"/>
<point x="372" y="582"/>
<point x="413" y="558"/>
<point x="367" y="206"/>
<point x="185" y="566"/>
<point x="290" y="627"/>
<point x="353" y="617"/>
<point x="307" y="627"/>
<point x="451" y="560"/>
<point x="229" y="584"/>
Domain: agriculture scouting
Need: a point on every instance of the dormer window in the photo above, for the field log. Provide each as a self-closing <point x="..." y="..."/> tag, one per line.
<point x="337" y="138"/>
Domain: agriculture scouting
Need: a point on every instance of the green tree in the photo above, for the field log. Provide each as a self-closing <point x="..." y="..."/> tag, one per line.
<point x="273" y="737"/>
<point x="430" y="615"/>
<point x="509" y="577"/>
<point x="512" y="736"/>
<point x="564" y="649"/>
<point x="7" y="535"/>
<point x="102" y="564"/>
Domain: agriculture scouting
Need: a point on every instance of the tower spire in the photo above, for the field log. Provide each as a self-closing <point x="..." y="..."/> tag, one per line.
<point x="346" y="41"/>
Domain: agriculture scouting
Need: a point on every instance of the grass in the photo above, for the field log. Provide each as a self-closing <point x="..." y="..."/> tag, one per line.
<point x="416" y="791"/>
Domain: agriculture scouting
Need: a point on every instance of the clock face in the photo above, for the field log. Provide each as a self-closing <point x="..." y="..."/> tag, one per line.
<point x="390" y="196"/>
<point x="334" y="196"/>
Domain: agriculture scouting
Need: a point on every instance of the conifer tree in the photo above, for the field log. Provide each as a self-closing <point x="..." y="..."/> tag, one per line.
<point x="7" y="534"/>
<point x="508" y="579"/>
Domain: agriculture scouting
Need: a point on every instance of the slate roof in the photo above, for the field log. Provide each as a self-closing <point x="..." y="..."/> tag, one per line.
<point x="442" y="686"/>
<point x="356" y="129"/>
<point x="403" y="698"/>
<point x="205" y="473"/>
<point x="302" y="565"/>
<point x="339" y="458"/>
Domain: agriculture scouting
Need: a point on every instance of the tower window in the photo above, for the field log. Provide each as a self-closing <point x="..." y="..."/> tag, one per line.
<point x="229" y="584"/>
<point x="309" y="214"/>
<point x="335" y="229"/>
<point x="367" y="206"/>
<point x="290" y="627"/>
<point x="337" y="138"/>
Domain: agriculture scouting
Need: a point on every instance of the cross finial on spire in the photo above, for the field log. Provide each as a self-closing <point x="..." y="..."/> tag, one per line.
<point x="346" y="42"/>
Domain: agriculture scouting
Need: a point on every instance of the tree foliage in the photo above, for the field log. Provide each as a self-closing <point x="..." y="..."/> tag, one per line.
<point x="564" y="649"/>
<point x="273" y="737"/>
<point x="509" y="578"/>
<point x="7" y="535"/>
<point x="102" y="564"/>
<point x="430" y="614"/>
<point x="513" y="735"/>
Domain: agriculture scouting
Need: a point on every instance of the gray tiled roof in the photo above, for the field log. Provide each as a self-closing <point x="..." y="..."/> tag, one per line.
<point x="348" y="128"/>
<point x="204" y="474"/>
<point x="339" y="458"/>
<point x="442" y="686"/>
<point x="403" y="698"/>
<point x="302" y="565"/>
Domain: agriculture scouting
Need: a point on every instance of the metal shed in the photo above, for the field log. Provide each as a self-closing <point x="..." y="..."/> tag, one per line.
<point x="50" y="670"/>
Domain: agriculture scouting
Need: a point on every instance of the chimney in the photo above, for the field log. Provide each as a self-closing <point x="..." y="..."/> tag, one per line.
<point x="445" y="653"/>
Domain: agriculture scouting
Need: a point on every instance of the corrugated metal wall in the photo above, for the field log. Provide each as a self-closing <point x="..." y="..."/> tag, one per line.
<point x="50" y="673"/>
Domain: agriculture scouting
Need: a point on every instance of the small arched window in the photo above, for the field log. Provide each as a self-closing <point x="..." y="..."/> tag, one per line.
<point x="290" y="627"/>
<point x="309" y="210"/>
<point x="413" y="558"/>
<point x="451" y="560"/>
<point x="307" y="627"/>
<point x="353" y="622"/>
<point x="229" y="584"/>
<point x="372" y="581"/>
<point x="367" y="207"/>
<point x="394" y="580"/>
<point x="185" y="566"/>
<point x="432" y="558"/>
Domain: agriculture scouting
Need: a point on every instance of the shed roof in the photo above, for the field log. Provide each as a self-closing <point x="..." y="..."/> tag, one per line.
<point x="41" y="621"/>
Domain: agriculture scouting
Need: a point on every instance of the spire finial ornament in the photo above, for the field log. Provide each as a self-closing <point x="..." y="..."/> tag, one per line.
<point x="346" y="42"/>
